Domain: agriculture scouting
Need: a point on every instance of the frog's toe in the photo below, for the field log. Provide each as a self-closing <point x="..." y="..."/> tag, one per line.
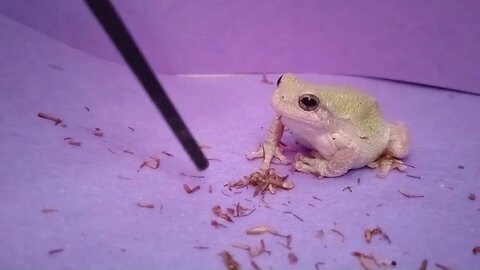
<point x="387" y="163"/>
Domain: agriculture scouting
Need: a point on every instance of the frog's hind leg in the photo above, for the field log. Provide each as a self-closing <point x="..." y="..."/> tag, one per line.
<point x="398" y="148"/>
<point x="338" y="165"/>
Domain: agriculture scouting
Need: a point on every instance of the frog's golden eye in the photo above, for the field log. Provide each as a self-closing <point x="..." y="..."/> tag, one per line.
<point x="308" y="102"/>
<point x="279" y="80"/>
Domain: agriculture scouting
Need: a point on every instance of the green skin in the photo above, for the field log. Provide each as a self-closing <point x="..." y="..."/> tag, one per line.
<point x="344" y="127"/>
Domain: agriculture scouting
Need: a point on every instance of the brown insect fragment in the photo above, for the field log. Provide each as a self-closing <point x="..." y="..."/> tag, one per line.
<point x="192" y="176"/>
<point x="461" y="167"/>
<point x="368" y="261"/>
<point x="472" y="197"/>
<point x="288" y="239"/>
<point x="56" y="120"/>
<point x="167" y="154"/>
<point x="74" y="143"/>
<point x="268" y="180"/>
<point x="87" y="108"/>
<point x="292" y="258"/>
<point x="217" y="224"/>
<point x="55" y="251"/>
<point x="217" y="210"/>
<point x="190" y="190"/>
<point x="200" y="247"/>
<point x="265" y="80"/>
<point x="97" y="132"/>
<point x="242" y="211"/>
<point x="414" y="176"/>
<point x="111" y="151"/>
<point x="261" y="229"/>
<point x="318" y="264"/>
<point x="229" y="261"/>
<point x="443" y="267"/>
<point x="49" y="210"/>
<point x="67" y="138"/>
<point x="349" y="188"/>
<point x="131" y="128"/>
<point x="339" y="233"/>
<point x="128" y="152"/>
<point x="145" y="205"/>
<point x="155" y="164"/>
<point x="237" y="184"/>
<point x="255" y="265"/>
<point x="316" y="198"/>
<point x="408" y="195"/>
<point x="476" y="250"/>
<point x="424" y="265"/>
<point x="311" y="205"/>
<point x="369" y="234"/>
<point x="293" y="214"/>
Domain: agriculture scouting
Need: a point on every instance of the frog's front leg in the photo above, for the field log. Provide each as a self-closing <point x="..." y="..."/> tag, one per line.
<point x="271" y="148"/>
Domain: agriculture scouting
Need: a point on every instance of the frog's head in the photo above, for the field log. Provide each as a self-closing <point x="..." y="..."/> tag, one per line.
<point x="300" y="101"/>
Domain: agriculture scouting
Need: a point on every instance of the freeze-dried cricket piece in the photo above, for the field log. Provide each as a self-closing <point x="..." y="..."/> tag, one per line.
<point x="217" y="224"/>
<point x="145" y="205"/>
<point x="132" y="129"/>
<point x="128" y="152"/>
<point x="242" y="211"/>
<point x="229" y="261"/>
<point x="217" y="210"/>
<point x="153" y="164"/>
<point x="265" y="79"/>
<point x="238" y="184"/>
<point x="369" y="234"/>
<point x="261" y="229"/>
<point x="190" y="190"/>
<point x="200" y="247"/>
<point x="255" y="252"/>
<point x="167" y="154"/>
<point x="472" y="197"/>
<point x="414" y="176"/>
<point x="255" y="265"/>
<point x="54" y="251"/>
<point x="87" y="108"/>
<point x="67" y="138"/>
<point x="368" y="261"/>
<point x="476" y="250"/>
<point x="408" y="195"/>
<point x="293" y="214"/>
<point x="316" y="198"/>
<point x="443" y="267"/>
<point x="191" y="175"/>
<point x="349" y="188"/>
<point x="292" y="258"/>
<point x="49" y="210"/>
<point x="56" y="120"/>
<point x="424" y="265"/>
<point x="74" y="143"/>
<point x="268" y="180"/>
<point x="98" y="132"/>
<point x="461" y="167"/>
<point x="318" y="264"/>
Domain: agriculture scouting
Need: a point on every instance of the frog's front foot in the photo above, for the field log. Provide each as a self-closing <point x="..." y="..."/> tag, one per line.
<point x="386" y="163"/>
<point x="338" y="165"/>
<point x="268" y="152"/>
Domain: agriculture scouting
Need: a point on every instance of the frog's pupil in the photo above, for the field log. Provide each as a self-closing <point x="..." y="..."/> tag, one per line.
<point x="309" y="102"/>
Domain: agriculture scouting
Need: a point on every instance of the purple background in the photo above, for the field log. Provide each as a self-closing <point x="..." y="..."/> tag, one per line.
<point x="432" y="42"/>
<point x="98" y="223"/>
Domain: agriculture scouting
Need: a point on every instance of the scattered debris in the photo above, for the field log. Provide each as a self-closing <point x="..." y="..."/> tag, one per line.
<point x="424" y="265"/>
<point x="49" y="210"/>
<point x="368" y="261"/>
<point x="255" y="265"/>
<point x="265" y="79"/>
<point x="145" y="205"/>
<point x="268" y="180"/>
<point x="217" y="224"/>
<point x="349" y="188"/>
<point x="204" y="146"/>
<point x="57" y="120"/>
<point x="87" y="108"/>
<point x="74" y="143"/>
<point x="132" y="129"/>
<point x="461" y="167"/>
<point x="255" y="252"/>
<point x="311" y="205"/>
<point x="293" y="214"/>
<point x="318" y="264"/>
<point x="192" y="176"/>
<point x="54" y="251"/>
<point x="128" y="152"/>
<point x="55" y="66"/>
<point x="339" y="233"/>
<point x="97" y="132"/>
<point x="214" y="159"/>
<point x="472" y="197"/>
<point x="292" y="258"/>
<point x="261" y="229"/>
<point x="190" y="190"/>
<point x="369" y="234"/>
<point x="217" y="210"/>
<point x="155" y="164"/>
<point x="110" y="150"/>
<point x="443" y="267"/>
<point x="210" y="189"/>
<point x="321" y="234"/>
<point x="124" y="177"/>
<point x="229" y="261"/>
<point x="408" y="195"/>
<point x="167" y="154"/>
<point x="200" y="247"/>
<point x="414" y="176"/>
<point x="358" y="181"/>
<point x="476" y="250"/>
<point x="316" y="198"/>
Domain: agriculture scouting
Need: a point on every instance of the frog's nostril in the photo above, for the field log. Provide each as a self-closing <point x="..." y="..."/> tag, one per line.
<point x="283" y="97"/>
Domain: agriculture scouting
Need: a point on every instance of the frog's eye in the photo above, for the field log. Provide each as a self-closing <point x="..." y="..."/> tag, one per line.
<point x="279" y="80"/>
<point x="308" y="102"/>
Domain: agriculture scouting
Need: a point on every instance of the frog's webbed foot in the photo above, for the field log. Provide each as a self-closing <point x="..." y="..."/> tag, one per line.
<point x="386" y="163"/>
<point x="338" y="165"/>
<point x="268" y="151"/>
